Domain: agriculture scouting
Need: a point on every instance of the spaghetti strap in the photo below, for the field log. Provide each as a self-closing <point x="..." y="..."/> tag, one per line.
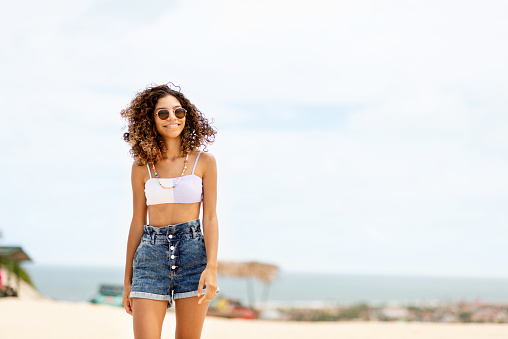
<point x="195" y="162"/>
<point x="149" y="170"/>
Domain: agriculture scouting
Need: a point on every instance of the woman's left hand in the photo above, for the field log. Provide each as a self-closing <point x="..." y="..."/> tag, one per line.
<point x="208" y="278"/>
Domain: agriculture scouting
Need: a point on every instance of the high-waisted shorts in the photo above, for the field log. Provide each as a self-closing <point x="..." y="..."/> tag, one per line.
<point x="168" y="262"/>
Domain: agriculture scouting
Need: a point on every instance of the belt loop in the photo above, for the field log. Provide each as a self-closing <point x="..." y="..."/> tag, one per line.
<point x="153" y="238"/>
<point x="193" y="232"/>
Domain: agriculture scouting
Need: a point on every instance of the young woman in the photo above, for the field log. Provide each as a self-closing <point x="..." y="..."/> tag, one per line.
<point x="174" y="256"/>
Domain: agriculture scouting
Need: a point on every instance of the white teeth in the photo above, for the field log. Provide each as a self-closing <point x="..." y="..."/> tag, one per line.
<point x="172" y="125"/>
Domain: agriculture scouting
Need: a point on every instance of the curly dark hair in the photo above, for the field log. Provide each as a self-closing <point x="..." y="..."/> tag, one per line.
<point x="147" y="146"/>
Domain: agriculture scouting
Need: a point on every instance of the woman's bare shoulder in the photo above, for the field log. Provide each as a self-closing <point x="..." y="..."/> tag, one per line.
<point x="207" y="158"/>
<point x="139" y="171"/>
<point x="137" y="165"/>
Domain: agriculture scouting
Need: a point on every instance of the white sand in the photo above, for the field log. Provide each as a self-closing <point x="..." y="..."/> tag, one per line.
<point x="43" y="318"/>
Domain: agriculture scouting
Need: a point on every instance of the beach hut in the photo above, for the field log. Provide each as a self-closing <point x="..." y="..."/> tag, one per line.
<point x="11" y="256"/>
<point x="250" y="270"/>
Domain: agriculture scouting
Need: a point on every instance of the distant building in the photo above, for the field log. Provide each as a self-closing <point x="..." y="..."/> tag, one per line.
<point x="10" y="257"/>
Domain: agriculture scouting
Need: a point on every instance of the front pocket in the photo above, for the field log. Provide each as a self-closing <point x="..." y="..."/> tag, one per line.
<point x="192" y="252"/>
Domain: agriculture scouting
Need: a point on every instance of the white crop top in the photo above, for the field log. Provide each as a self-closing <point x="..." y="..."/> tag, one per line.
<point x="188" y="190"/>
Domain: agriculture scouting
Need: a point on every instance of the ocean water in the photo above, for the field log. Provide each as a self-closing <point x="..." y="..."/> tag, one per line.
<point x="293" y="289"/>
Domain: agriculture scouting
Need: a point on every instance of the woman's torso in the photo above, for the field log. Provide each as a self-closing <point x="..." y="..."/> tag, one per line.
<point x="162" y="214"/>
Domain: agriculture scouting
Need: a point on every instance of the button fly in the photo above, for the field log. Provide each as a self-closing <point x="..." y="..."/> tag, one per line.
<point x="172" y="257"/>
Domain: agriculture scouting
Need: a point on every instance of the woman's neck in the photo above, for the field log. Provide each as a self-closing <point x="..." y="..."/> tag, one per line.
<point x="173" y="148"/>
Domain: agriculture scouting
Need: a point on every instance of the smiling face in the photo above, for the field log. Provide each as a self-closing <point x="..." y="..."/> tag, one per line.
<point x="172" y="127"/>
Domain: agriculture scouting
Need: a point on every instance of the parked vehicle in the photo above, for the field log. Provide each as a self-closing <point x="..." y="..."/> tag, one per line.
<point x="109" y="295"/>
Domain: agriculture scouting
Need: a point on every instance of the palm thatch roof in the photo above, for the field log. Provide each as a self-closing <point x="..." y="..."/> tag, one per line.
<point x="261" y="271"/>
<point x="14" y="253"/>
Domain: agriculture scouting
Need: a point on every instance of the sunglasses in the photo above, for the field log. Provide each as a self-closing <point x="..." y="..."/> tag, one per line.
<point x="179" y="113"/>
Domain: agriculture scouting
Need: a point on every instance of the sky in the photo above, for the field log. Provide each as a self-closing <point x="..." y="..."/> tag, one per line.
<point x="365" y="137"/>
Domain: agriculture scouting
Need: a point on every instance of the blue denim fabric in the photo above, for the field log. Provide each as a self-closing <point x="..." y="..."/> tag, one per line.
<point x="168" y="262"/>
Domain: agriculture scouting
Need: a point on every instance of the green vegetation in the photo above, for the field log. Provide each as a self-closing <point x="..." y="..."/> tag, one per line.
<point x="465" y="317"/>
<point x="354" y="312"/>
<point x="461" y="312"/>
<point x="358" y="311"/>
<point x="16" y="269"/>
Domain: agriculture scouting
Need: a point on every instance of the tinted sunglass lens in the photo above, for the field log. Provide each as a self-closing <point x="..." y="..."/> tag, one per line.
<point x="180" y="113"/>
<point x="163" y="115"/>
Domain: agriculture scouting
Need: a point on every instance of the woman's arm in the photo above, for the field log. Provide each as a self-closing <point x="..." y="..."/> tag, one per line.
<point x="136" y="230"/>
<point x="210" y="228"/>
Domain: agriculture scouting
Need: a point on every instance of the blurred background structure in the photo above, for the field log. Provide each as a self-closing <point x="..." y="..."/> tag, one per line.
<point x="10" y="266"/>
<point x="249" y="271"/>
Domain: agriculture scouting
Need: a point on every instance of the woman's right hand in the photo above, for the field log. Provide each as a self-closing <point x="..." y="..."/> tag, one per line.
<point x="126" y="301"/>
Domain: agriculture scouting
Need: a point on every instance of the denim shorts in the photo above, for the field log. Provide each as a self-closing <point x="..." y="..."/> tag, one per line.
<point x="168" y="262"/>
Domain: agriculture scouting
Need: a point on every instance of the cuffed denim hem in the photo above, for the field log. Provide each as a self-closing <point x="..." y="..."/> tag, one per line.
<point x="152" y="296"/>
<point x="190" y="294"/>
<point x="187" y="294"/>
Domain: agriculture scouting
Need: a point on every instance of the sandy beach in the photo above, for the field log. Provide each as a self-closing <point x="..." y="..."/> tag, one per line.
<point x="32" y="316"/>
<point x="43" y="318"/>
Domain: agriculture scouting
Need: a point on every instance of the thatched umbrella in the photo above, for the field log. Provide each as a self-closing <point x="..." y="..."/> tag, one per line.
<point x="12" y="256"/>
<point x="250" y="269"/>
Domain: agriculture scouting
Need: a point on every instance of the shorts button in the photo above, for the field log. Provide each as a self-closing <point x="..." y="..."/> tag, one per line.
<point x="172" y="257"/>
<point x="170" y="236"/>
<point x="173" y="267"/>
<point x="172" y="247"/>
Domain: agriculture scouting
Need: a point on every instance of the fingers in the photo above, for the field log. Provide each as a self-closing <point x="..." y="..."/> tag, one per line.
<point x="211" y="291"/>
<point x="201" y="284"/>
<point x="126" y="300"/>
<point x="127" y="304"/>
<point x="210" y="280"/>
<point x="130" y="306"/>
<point x="209" y="295"/>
